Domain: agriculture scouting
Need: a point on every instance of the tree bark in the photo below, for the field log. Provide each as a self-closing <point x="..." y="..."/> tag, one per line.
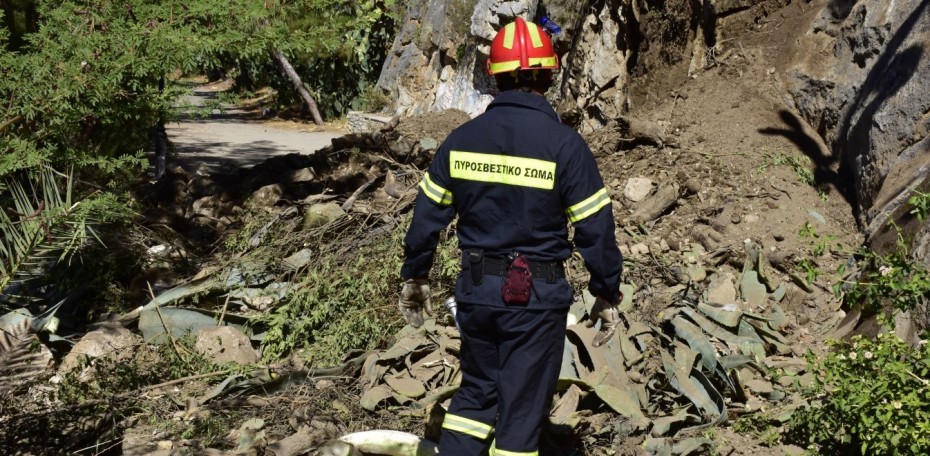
<point x="160" y="138"/>
<point x="299" y="85"/>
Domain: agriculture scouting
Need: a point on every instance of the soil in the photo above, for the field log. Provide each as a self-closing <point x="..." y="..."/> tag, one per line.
<point x="745" y="168"/>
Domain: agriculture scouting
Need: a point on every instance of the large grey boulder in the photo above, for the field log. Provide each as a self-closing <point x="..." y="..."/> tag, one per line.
<point x="861" y="77"/>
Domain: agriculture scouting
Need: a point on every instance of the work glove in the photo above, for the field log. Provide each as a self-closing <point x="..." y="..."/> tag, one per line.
<point x="414" y="300"/>
<point x="608" y="315"/>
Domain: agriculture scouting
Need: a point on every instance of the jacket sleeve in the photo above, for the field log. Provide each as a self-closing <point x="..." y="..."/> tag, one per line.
<point x="433" y="211"/>
<point x="588" y="208"/>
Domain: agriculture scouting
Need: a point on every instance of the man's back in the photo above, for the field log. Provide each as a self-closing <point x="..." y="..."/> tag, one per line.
<point x="510" y="172"/>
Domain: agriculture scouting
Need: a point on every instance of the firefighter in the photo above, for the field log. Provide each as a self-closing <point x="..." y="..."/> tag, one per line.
<point x="515" y="176"/>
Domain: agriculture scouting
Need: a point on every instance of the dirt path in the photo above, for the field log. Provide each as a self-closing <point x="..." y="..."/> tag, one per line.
<point x="237" y="138"/>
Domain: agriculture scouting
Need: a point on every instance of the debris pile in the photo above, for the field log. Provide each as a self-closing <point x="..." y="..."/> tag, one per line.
<point x="707" y="358"/>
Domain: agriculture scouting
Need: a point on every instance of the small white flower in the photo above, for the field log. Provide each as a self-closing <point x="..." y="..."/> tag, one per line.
<point x="853" y="355"/>
<point x="841" y="357"/>
<point x="884" y="270"/>
<point x="897" y="405"/>
<point x="868" y="355"/>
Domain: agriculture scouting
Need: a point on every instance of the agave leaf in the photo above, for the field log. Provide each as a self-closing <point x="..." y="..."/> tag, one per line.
<point x="715" y="329"/>
<point x="631" y="354"/>
<point x="692" y="384"/>
<point x="696" y="340"/>
<point x="729" y="318"/>
<point x="684" y="356"/>
<point x="566" y="405"/>
<point x="568" y="369"/>
<point x="622" y="401"/>
<point x="662" y="426"/>
<point x="771" y="336"/>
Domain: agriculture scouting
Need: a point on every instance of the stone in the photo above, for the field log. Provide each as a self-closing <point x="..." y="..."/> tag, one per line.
<point x="223" y="344"/>
<point x="697" y="273"/>
<point x="208" y="206"/>
<point x="322" y="213"/>
<point x="792" y="450"/>
<point x="637" y="189"/>
<point x="267" y="196"/>
<point x="857" y="78"/>
<point x="113" y="342"/>
<point x="722" y="290"/>
<point x="759" y="386"/>
<point x="360" y="122"/>
<point x="301" y="175"/>
<point x="428" y="144"/>
<point x="639" y="249"/>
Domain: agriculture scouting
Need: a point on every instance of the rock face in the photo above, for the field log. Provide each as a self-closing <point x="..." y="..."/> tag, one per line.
<point x="439" y="57"/>
<point x="861" y="77"/>
<point x="435" y="63"/>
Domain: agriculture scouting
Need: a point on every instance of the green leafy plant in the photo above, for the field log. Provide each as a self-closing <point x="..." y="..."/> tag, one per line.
<point x="920" y="205"/>
<point x="760" y="424"/>
<point x="96" y="378"/>
<point x="345" y="304"/>
<point x="870" y="397"/>
<point x="889" y="280"/>
<point x="819" y="243"/>
<point x="800" y="164"/>
<point x="810" y="270"/>
<point x="44" y="226"/>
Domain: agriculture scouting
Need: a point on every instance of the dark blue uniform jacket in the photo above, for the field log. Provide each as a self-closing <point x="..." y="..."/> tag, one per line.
<point x="516" y="176"/>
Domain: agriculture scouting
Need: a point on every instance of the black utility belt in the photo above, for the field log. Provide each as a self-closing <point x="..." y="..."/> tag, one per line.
<point x="539" y="269"/>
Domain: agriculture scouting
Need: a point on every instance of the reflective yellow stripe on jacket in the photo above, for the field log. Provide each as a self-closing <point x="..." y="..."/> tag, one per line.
<point x="434" y="192"/>
<point x="589" y="206"/>
<point x="502" y="169"/>
<point x="466" y="426"/>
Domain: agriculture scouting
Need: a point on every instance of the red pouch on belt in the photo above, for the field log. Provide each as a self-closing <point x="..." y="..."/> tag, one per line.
<point x="518" y="282"/>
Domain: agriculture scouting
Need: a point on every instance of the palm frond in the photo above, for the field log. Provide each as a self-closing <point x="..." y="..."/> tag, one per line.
<point x="19" y="361"/>
<point x="43" y="226"/>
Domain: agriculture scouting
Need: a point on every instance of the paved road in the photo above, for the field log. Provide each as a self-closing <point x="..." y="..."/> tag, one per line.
<point x="236" y="138"/>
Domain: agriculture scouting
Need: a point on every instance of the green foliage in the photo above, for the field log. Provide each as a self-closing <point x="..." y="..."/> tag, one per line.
<point x="85" y="86"/>
<point x="45" y="224"/>
<point x="148" y="365"/>
<point x="459" y="13"/>
<point x="920" y="205"/>
<point x="800" y="164"/>
<point x="761" y="425"/>
<point x="339" y="306"/>
<point x="810" y="270"/>
<point x="889" y="280"/>
<point x="871" y="397"/>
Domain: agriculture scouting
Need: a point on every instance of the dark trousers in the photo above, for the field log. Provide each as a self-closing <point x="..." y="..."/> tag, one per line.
<point x="510" y="361"/>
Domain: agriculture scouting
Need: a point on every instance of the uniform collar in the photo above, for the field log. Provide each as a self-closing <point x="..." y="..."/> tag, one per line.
<point x="525" y="100"/>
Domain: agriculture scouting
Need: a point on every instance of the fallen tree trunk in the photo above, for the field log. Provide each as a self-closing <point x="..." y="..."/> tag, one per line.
<point x="298" y="85"/>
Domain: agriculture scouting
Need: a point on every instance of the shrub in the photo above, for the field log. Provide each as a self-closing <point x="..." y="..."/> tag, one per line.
<point x="871" y="396"/>
<point x="891" y="280"/>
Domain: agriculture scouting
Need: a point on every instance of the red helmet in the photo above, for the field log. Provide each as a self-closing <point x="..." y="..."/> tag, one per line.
<point x="521" y="45"/>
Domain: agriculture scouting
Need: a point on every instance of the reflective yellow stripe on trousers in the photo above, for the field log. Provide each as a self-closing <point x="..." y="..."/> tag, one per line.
<point x="466" y="426"/>
<point x="589" y="206"/>
<point x="494" y="451"/>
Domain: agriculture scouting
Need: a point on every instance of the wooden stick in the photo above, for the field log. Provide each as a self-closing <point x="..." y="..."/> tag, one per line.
<point x="174" y="343"/>
<point x="223" y="313"/>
